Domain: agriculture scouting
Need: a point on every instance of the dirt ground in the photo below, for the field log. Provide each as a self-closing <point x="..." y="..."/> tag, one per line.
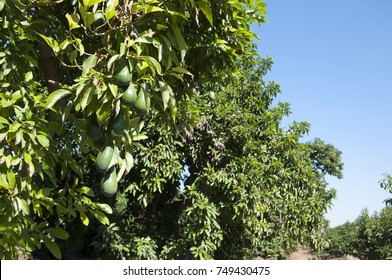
<point x="303" y="254"/>
<point x="300" y="254"/>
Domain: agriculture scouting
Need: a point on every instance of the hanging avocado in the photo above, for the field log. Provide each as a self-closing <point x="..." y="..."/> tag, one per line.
<point x="109" y="183"/>
<point x="124" y="75"/>
<point x="93" y="131"/>
<point x="141" y="104"/>
<point x="117" y="125"/>
<point x="104" y="158"/>
<point x="129" y="96"/>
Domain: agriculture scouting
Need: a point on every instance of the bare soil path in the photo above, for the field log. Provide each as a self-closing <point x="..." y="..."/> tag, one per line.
<point x="300" y="254"/>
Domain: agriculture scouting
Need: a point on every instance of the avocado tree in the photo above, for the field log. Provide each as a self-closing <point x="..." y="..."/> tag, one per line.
<point x="368" y="237"/>
<point x="79" y="80"/>
<point x="228" y="183"/>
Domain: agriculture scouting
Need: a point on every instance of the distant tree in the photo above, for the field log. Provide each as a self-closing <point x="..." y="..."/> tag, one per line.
<point x="386" y="184"/>
<point x="343" y="240"/>
<point x="368" y="237"/>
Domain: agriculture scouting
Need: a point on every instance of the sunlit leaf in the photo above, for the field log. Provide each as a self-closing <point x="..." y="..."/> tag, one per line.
<point x="206" y="10"/>
<point x="73" y="21"/>
<point x="56" y="96"/>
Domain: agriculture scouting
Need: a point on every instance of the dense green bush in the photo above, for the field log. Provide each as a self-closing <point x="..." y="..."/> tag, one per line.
<point x="196" y="166"/>
<point x="368" y="237"/>
<point x="341" y="239"/>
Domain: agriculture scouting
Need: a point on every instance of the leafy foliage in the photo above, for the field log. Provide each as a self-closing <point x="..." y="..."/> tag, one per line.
<point x="386" y="184"/>
<point x="144" y="130"/>
<point x="368" y="237"/>
<point x="231" y="186"/>
<point x="65" y="63"/>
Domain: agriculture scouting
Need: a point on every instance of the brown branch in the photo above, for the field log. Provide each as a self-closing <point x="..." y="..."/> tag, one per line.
<point x="47" y="60"/>
<point x="48" y="66"/>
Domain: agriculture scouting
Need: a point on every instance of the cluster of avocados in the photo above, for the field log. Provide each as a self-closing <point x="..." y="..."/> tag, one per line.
<point x="133" y="97"/>
<point x="109" y="180"/>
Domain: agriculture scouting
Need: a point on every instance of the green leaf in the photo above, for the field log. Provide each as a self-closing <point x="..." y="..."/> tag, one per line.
<point x="56" y="96"/>
<point x="53" y="247"/>
<point x="113" y="89"/>
<point x="4" y="182"/>
<point x="138" y="137"/>
<point x="64" y="44"/>
<point x="112" y="60"/>
<point x="104" y="207"/>
<point x="2" y="136"/>
<point x="110" y="10"/>
<point x="58" y="233"/>
<point x="3" y="120"/>
<point x="167" y="92"/>
<point x="153" y="63"/>
<point x="87" y="97"/>
<point x="128" y="161"/>
<point x="44" y="192"/>
<point x="86" y="191"/>
<point x="181" y="70"/>
<point x="73" y="21"/>
<point x="11" y="179"/>
<point x="22" y="205"/>
<point x="28" y="76"/>
<point x="261" y="7"/>
<point x="134" y="122"/>
<point x="50" y="41"/>
<point x="103" y="112"/>
<point x="89" y="63"/>
<point x="43" y="140"/>
<point x="100" y="216"/>
<point x="84" y="219"/>
<point x="152" y="9"/>
<point x="7" y="226"/>
<point x="120" y="172"/>
<point x="205" y="8"/>
<point x="73" y="55"/>
<point x="27" y="157"/>
<point x="14" y="127"/>
<point x="180" y="41"/>
<point x="123" y="48"/>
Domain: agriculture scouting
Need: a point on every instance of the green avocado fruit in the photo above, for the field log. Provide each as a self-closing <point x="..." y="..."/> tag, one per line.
<point x="129" y="96"/>
<point x="117" y="125"/>
<point x="141" y="104"/>
<point x="93" y="131"/>
<point x="104" y="158"/>
<point x="109" y="183"/>
<point x="123" y="76"/>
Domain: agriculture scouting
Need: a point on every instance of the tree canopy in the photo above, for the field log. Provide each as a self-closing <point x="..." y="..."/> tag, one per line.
<point x="146" y="126"/>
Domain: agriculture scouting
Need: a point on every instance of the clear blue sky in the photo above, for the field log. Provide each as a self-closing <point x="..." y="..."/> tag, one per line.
<point x="333" y="60"/>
